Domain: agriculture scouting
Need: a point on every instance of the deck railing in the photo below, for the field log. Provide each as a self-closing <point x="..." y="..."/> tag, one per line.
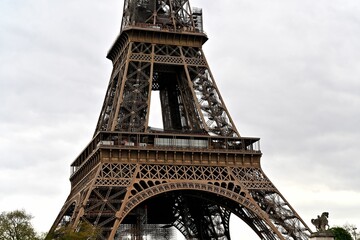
<point x="167" y="141"/>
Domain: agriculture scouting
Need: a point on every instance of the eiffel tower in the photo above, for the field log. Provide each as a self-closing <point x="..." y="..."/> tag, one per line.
<point x="133" y="181"/>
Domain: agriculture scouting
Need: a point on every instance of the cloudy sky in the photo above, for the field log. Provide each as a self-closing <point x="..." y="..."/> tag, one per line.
<point x="288" y="70"/>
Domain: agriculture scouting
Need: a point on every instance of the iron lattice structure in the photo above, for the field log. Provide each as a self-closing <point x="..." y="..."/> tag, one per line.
<point x="136" y="181"/>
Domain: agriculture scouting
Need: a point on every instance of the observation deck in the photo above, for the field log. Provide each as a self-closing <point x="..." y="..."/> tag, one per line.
<point x="167" y="148"/>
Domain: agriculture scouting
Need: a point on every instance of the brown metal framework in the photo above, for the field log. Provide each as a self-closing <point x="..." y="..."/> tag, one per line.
<point x="134" y="180"/>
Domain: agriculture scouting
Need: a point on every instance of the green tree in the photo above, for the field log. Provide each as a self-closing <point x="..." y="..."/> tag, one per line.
<point x="341" y="233"/>
<point x="352" y="229"/>
<point x="16" y="225"/>
<point x="85" y="231"/>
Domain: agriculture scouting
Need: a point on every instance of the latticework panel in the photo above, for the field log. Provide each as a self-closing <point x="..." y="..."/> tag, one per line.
<point x="115" y="175"/>
<point x="167" y="50"/>
<point x="141" y="47"/>
<point x="178" y="172"/>
<point x="253" y="178"/>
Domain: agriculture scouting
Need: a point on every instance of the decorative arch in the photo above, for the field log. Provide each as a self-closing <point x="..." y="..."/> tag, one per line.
<point x="238" y="203"/>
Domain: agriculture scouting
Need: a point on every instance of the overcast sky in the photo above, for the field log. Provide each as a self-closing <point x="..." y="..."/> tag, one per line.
<point x="288" y="71"/>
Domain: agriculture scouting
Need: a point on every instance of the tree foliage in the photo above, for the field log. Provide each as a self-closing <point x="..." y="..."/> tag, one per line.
<point x="341" y="233"/>
<point x="352" y="229"/>
<point x="84" y="231"/>
<point x="16" y="225"/>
